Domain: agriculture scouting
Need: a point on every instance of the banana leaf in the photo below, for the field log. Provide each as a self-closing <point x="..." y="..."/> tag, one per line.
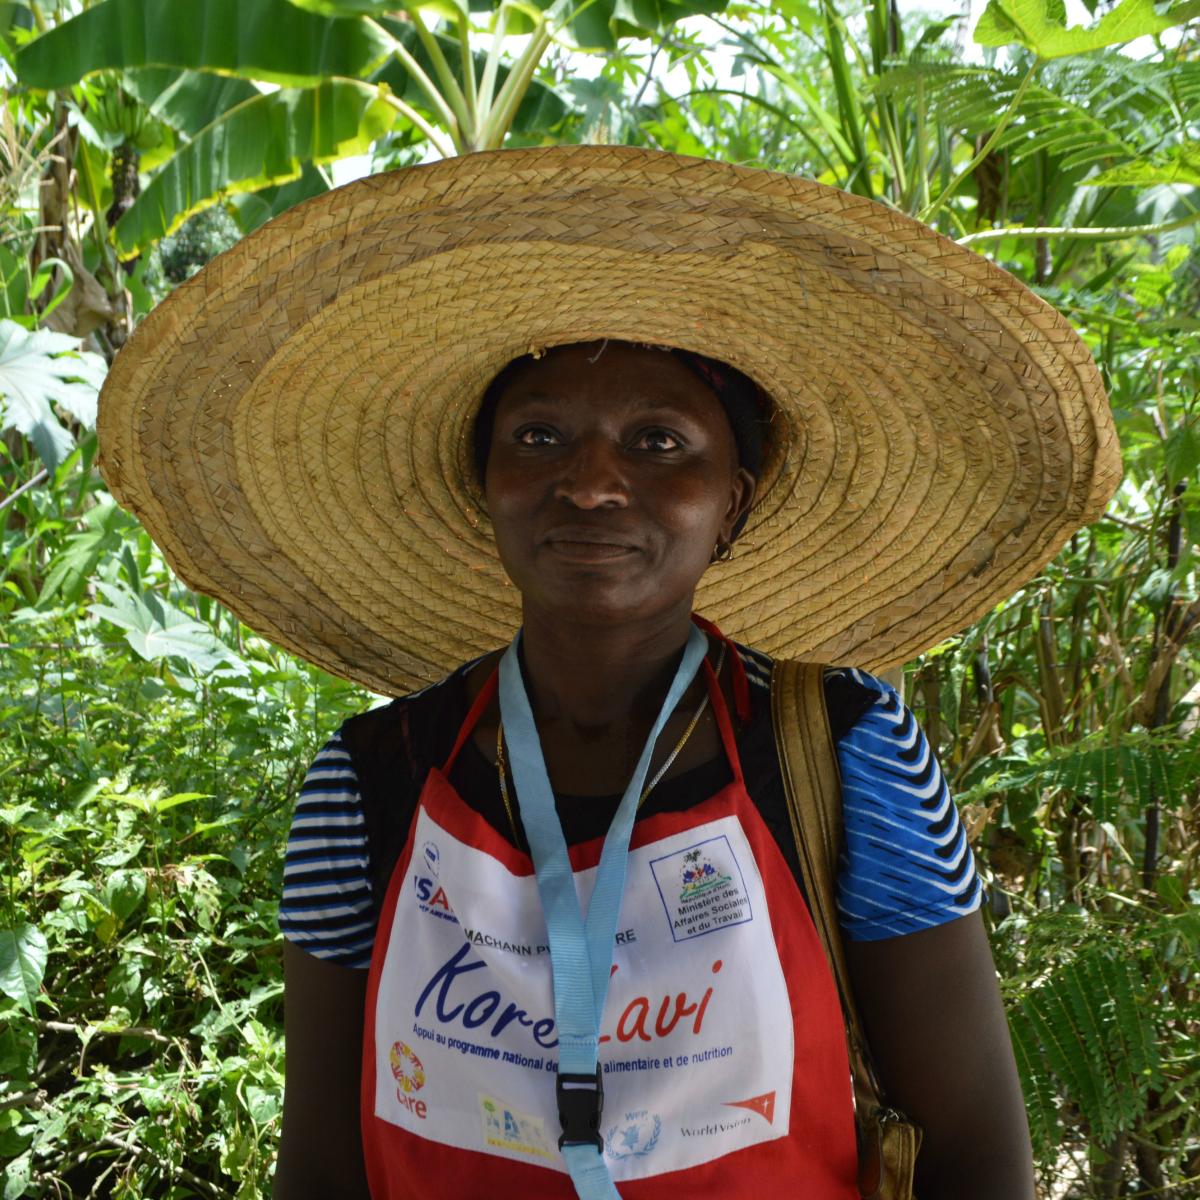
<point x="270" y="40"/>
<point x="261" y="142"/>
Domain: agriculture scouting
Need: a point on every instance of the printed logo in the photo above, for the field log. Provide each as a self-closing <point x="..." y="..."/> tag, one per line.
<point x="702" y="889"/>
<point x="432" y="898"/>
<point x="407" y="1068"/>
<point x="764" y="1105"/>
<point x="635" y="1136"/>
<point x="432" y="856"/>
<point x="509" y="1129"/>
<point x="410" y="1078"/>
<point x="698" y="875"/>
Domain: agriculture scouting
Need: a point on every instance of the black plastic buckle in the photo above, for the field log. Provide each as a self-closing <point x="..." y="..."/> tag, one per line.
<point x="580" y="1103"/>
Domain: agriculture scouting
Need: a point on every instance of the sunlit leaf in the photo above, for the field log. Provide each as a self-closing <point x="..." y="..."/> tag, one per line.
<point x="1040" y="25"/>
<point x="187" y="100"/>
<point x="41" y="370"/>
<point x="258" y="39"/>
<point x="260" y="142"/>
<point x="23" y="955"/>
<point x="156" y="629"/>
<point x="347" y="8"/>
<point x="1182" y="452"/>
<point x="124" y="890"/>
<point x="74" y="565"/>
<point x="1178" y="165"/>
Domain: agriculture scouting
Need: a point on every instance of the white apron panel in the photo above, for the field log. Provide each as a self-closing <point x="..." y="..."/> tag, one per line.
<point x="697" y="1063"/>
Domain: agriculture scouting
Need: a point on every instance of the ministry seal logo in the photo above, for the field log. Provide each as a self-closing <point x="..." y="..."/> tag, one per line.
<point x="407" y="1068"/>
<point x="697" y="875"/>
<point x="635" y="1136"/>
<point x="702" y="888"/>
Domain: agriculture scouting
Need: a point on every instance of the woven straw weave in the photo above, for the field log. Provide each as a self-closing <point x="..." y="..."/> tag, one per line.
<point x="293" y="425"/>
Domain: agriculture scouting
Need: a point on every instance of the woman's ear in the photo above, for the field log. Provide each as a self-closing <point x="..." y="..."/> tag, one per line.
<point x="741" y="497"/>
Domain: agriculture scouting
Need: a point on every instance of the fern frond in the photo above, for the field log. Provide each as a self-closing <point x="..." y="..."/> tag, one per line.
<point x="1085" y="1031"/>
<point x="1102" y="109"/>
<point x="1140" y="769"/>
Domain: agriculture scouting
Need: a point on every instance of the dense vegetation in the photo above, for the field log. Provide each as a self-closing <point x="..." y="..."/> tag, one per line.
<point x="153" y="746"/>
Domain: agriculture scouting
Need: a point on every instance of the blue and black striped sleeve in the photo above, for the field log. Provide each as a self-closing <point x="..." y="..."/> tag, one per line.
<point x="326" y="905"/>
<point x="906" y="864"/>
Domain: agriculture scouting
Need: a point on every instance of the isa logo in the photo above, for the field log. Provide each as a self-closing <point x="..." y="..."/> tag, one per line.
<point x="432" y="857"/>
<point x="432" y="898"/>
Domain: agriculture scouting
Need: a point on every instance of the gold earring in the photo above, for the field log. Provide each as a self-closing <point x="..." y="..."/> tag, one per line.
<point x="723" y="552"/>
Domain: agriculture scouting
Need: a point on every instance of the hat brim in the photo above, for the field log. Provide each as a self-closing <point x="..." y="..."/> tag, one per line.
<point x="293" y="425"/>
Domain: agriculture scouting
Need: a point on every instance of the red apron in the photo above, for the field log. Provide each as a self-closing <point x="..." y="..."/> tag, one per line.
<point x="725" y="1067"/>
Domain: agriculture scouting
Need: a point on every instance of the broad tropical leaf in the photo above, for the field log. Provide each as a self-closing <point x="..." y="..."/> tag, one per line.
<point x="73" y="567"/>
<point x="348" y="8"/>
<point x="1040" y="25"/>
<point x="41" y="370"/>
<point x="259" y="39"/>
<point x="23" y="954"/>
<point x="261" y="142"/>
<point x="1178" y="165"/>
<point x="639" y="18"/>
<point x="156" y="629"/>
<point x="187" y="100"/>
<point x="252" y="209"/>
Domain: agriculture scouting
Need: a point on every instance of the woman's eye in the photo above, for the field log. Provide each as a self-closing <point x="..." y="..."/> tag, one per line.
<point x="537" y="435"/>
<point x="658" y="439"/>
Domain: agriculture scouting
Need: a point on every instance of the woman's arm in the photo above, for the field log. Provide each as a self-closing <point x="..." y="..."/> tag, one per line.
<point x="320" y="1151"/>
<point x="932" y="1011"/>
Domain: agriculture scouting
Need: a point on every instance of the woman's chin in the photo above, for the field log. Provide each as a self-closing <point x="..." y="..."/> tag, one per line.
<point x="603" y="602"/>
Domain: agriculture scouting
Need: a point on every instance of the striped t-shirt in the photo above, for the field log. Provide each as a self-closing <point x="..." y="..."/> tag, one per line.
<point x="906" y="864"/>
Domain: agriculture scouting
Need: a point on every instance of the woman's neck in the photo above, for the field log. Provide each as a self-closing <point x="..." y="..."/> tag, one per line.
<point x="594" y="676"/>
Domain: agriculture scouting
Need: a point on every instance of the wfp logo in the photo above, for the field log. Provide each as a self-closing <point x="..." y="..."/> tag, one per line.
<point x="635" y="1136"/>
<point x="409" y="1074"/>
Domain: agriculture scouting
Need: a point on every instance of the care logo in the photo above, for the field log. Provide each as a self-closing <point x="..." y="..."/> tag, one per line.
<point x="634" y="1136"/>
<point x="410" y="1078"/>
<point x="407" y="1068"/>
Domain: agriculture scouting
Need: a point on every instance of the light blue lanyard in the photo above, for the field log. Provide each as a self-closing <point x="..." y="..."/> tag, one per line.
<point x="581" y="952"/>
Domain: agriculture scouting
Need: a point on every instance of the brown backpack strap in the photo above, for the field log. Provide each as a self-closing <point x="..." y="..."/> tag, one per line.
<point x="887" y="1141"/>
<point x="812" y="785"/>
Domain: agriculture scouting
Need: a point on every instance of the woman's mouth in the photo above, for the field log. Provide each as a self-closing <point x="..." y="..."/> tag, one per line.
<point x="587" y="552"/>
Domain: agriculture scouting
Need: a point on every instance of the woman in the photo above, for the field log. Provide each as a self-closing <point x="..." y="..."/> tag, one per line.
<point x="613" y="474"/>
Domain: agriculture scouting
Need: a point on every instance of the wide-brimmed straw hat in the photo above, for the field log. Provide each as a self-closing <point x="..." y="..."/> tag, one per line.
<point x="293" y="425"/>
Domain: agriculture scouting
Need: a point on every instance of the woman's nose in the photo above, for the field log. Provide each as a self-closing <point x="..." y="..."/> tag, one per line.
<point x="593" y="475"/>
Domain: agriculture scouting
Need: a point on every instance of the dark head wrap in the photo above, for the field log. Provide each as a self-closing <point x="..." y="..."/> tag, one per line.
<point x="746" y="408"/>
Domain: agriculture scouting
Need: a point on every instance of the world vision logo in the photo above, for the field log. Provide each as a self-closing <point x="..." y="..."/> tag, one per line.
<point x="410" y="1078"/>
<point x="764" y="1105"/>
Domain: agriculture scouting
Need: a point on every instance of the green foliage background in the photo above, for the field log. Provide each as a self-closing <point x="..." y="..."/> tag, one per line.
<point x="153" y="747"/>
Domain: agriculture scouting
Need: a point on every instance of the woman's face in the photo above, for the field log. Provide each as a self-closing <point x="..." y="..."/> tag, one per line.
<point x="610" y="482"/>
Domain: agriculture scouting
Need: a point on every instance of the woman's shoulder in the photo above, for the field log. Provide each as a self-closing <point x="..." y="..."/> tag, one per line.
<point x="849" y="691"/>
<point x="410" y="724"/>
